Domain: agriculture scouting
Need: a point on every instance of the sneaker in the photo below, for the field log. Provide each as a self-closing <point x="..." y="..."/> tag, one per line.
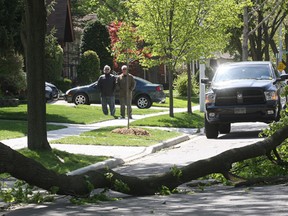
<point x="121" y="117"/>
<point x="130" y="117"/>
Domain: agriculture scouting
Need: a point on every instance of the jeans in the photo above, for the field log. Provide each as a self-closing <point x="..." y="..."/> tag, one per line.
<point x="108" y="100"/>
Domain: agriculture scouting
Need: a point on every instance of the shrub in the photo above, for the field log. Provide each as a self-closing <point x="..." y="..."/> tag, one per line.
<point x="53" y="59"/>
<point x="96" y="37"/>
<point x="181" y="85"/>
<point x="88" y="70"/>
<point x="64" y="84"/>
<point x="12" y="76"/>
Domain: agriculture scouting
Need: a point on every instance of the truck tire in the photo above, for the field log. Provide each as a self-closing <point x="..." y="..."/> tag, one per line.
<point x="211" y="130"/>
<point x="225" y="128"/>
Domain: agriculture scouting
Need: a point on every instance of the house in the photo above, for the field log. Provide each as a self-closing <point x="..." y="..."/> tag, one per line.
<point x="61" y="19"/>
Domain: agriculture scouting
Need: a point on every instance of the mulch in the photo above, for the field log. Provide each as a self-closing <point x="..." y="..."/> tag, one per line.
<point x="132" y="131"/>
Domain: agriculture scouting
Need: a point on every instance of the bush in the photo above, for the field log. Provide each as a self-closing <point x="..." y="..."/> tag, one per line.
<point x="88" y="70"/>
<point x="181" y="85"/>
<point x="64" y="84"/>
<point x="53" y="59"/>
<point x="12" y="76"/>
<point x="96" y="37"/>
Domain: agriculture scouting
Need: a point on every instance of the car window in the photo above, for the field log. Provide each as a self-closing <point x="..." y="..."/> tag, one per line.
<point x="243" y="72"/>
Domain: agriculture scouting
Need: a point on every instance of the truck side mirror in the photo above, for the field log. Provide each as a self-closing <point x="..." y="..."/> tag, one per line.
<point x="205" y="81"/>
<point x="283" y="77"/>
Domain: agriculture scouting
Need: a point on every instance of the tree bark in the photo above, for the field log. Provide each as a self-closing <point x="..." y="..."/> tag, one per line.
<point x="189" y="88"/>
<point x="34" y="173"/>
<point x="34" y="31"/>
<point x="245" y="35"/>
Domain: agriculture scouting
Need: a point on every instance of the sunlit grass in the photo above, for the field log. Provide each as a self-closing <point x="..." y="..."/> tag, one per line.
<point x="10" y="129"/>
<point x="180" y="120"/>
<point x="81" y="114"/>
<point x="104" y="136"/>
<point x="61" y="161"/>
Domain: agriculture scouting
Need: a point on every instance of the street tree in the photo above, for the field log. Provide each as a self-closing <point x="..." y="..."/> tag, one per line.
<point x="33" y="39"/>
<point x="178" y="31"/>
<point x="261" y="20"/>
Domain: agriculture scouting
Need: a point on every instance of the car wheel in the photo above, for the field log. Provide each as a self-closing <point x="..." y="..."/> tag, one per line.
<point x="143" y="102"/>
<point x="211" y="130"/>
<point x="81" y="98"/>
<point x="225" y="128"/>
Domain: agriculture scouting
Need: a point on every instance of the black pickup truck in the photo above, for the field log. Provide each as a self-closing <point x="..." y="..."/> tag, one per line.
<point x="243" y="92"/>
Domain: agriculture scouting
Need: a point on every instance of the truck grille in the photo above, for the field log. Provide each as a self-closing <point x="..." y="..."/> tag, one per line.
<point x="239" y="97"/>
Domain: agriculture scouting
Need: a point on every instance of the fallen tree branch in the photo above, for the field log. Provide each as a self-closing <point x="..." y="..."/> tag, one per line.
<point x="34" y="173"/>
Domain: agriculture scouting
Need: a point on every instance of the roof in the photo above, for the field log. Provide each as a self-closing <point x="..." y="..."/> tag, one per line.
<point x="61" y="19"/>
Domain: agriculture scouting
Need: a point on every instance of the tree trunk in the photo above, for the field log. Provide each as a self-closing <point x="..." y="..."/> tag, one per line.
<point x="189" y="89"/>
<point x="34" y="40"/>
<point x="245" y="35"/>
<point x="286" y="47"/>
<point x="170" y="74"/>
<point x="33" y="173"/>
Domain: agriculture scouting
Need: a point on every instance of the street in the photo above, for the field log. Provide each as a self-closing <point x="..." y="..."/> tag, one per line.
<point x="197" y="148"/>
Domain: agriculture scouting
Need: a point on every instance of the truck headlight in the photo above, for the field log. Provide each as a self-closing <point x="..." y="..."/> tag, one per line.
<point x="210" y="98"/>
<point x="271" y="95"/>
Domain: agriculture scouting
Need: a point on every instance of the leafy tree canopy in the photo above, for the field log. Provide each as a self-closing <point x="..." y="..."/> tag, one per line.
<point x="184" y="29"/>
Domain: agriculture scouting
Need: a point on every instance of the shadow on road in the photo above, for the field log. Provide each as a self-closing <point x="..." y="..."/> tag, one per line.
<point x="241" y="135"/>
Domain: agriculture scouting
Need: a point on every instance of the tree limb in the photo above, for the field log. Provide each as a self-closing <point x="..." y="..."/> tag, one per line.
<point x="34" y="173"/>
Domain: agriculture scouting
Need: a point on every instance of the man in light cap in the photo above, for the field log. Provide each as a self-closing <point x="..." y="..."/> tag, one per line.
<point x="126" y="84"/>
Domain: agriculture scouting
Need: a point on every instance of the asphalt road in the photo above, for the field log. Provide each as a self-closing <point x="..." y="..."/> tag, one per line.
<point x="197" y="148"/>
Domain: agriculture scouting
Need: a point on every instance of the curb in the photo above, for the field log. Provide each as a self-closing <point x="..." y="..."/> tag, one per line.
<point x="114" y="162"/>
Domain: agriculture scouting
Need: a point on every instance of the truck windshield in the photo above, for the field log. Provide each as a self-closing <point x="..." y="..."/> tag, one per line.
<point x="230" y="72"/>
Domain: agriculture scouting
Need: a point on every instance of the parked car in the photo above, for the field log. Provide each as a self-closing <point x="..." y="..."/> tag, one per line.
<point x="243" y="92"/>
<point x="144" y="94"/>
<point x="51" y="91"/>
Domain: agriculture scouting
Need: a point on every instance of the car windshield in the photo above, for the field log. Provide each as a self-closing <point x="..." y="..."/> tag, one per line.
<point x="235" y="72"/>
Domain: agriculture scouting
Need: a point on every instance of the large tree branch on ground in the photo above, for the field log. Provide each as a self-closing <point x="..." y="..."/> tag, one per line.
<point x="35" y="174"/>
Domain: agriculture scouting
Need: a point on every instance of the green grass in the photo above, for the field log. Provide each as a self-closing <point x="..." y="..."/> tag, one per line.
<point x="178" y="102"/>
<point x="10" y="129"/>
<point x="81" y="114"/>
<point x="180" y="120"/>
<point x="61" y="161"/>
<point x="104" y="136"/>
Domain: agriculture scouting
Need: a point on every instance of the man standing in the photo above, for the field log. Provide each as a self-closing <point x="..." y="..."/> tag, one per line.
<point x="126" y="84"/>
<point x="106" y="85"/>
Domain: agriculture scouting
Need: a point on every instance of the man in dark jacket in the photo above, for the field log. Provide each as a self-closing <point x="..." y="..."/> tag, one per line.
<point x="106" y="85"/>
<point x="126" y="84"/>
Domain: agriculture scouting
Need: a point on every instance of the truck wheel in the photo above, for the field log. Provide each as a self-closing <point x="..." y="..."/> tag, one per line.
<point x="225" y="128"/>
<point x="211" y="130"/>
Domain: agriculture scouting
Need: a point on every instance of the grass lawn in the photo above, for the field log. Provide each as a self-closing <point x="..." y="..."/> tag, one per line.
<point x="184" y="120"/>
<point x="10" y="129"/>
<point x="178" y="102"/>
<point x="81" y="114"/>
<point x="105" y="136"/>
<point x="60" y="161"/>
